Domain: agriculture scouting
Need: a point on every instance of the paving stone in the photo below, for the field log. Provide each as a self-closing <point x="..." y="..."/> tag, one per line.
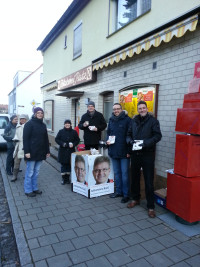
<point x="194" y="261"/>
<point x="152" y="246"/>
<point x="179" y="236"/>
<point x="99" y="217"/>
<point x="22" y="213"/>
<point x="175" y="254"/>
<point x="136" y="252"/>
<point x="54" y="228"/>
<point x="167" y="240"/>
<point x="133" y="239"/>
<point x="48" y="240"/>
<point x="143" y="224"/>
<point x="99" y="226"/>
<point x="25" y="207"/>
<point x="65" y="235"/>
<point x="100" y="210"/>
<point x="81" y="242"/>
<point x="115" y="232"/>
<point x="74" y="209"/>
<point x="85" y="213"/>
<point x="48" y="208"/>
<point x="80" y="255"/>
<point x="59" y="261"/>
<point x="69" y="225"/>
<point x="33" y="243"/>
<point x="34" y="233"/>
<point x="99" y="237"/>
<point x="189" y="248"/>
<point x="72" y="216"/>
<point x="159" y="259"/>
<point x="113" y="222"/>
<point x="63" y="247"/>
<point x="117" y="244"/>
<point x="34" y="211"/>
<point x="118" y="258"/>
<point x="39" y="204"/>
<point x="27" y="226"/>
<point x="139" y="263"/>
<point x="101" y="261"/>
<point x="40" y="223"/>
<point x="99" y="250"/>
<point x="57" y="219"/>
<point x="83" y="230"/>
<point x="112" y="214"/>
<point x="29" y="218"/>
<point x="45" y="215"/>
<point x="84" y="221"/>
<point x="162" y="229"/>
<point x="141" y="215"/>
<point x="148" y="233"/>
<point x="181" y="264"/>
<point x="42" y="253"/>
<point x="130" y="228"/>
<point x="41" y="264"/>
<point x="127" y="219"/>
<point x="59" y="212"/>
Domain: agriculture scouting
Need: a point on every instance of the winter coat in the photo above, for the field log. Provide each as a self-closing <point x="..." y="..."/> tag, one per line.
<point x="9" y="134"/>
<point x="145" y="128"/>
<point x="66" y="136"/>
<point x="118" y="126"/>
<point x="35" y="139"/>
<point x="19" y="150"/>
<point x="97" y="120"/>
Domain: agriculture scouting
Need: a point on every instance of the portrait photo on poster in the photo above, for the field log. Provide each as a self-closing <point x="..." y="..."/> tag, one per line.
<point x="79" y="169"/>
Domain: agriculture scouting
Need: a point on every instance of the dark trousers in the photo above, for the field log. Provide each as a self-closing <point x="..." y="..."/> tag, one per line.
<point x="144" y="160"/>
<point x="10" y="159"/>
<point x="65" y="168"/>
<point x="87" y="147"/>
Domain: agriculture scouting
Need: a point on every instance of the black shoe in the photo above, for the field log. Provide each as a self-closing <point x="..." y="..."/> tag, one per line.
<point x="37" y="192"/>
<point x="13" y="179"/>
<point x="125" y="200"/>
<point x="20" y="170"/>
<point x="32" y="194"/>
<point x="114" y="195"/>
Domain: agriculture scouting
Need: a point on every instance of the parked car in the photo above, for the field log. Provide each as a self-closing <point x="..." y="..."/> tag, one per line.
<point x="4" y="120"/>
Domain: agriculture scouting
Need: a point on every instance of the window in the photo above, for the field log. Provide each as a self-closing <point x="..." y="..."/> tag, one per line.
<point x="77" y="40"/>
<point x="41" y="78"/>
<point x="124" y="11"/>
<point x="65" y="42"/>
<point x="49" y="114"/>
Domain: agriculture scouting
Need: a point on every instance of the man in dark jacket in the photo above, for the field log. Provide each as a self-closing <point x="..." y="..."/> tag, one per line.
<point x="36" y="149"/>
<point x="118" y="151"/>
<point x="145" y="128"/>
<point x="8" y="135"/>
<point x="92" y="123"/>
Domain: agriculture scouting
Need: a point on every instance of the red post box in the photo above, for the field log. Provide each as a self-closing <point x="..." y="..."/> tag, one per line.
<point x="183" y="197"/>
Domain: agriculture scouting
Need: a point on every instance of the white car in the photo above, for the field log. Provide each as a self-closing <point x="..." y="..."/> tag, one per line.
<point x="4" y="120"/>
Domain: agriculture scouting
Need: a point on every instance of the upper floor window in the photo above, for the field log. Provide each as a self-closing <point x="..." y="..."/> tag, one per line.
<point x="65" y="42"/>
<point x="124" y="11"/>
<point x="77" y="40"/>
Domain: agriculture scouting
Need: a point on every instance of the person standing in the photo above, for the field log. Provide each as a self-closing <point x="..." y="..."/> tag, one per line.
<point x="8" y="135"/>
<point x="118" y="151"/>
<point x="92" y="123"/>
<point x="145" y="128"/>
<point x="36" y="149"/>
<point x="19" y="151"/>
<point x="67" y="139"/>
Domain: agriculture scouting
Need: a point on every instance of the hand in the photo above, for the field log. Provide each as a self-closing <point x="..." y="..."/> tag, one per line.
<point x="28" y="155"/>
<point x="128" y="155"/>
<point x="48" y="155"/>
<point x="132" y="142"/>
<point x="95" y="129"/>
<point x="108" y="143"/>
<point x="85" y="124"/>
<point x="64" y="145"/>
<point x="71" y="145"/>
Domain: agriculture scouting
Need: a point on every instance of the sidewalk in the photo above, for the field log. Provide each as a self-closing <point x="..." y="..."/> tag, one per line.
<point x="62" y="228"/>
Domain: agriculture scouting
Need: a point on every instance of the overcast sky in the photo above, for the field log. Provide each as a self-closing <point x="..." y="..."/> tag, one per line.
<point x="24" y="25"/>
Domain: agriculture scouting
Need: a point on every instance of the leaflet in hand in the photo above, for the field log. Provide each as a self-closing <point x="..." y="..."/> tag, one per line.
<point x="111" y="139"/>
<point x="136" y="145"/>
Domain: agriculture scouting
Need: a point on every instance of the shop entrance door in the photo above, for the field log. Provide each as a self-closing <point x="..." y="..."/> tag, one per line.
<point x="107" y="109"/>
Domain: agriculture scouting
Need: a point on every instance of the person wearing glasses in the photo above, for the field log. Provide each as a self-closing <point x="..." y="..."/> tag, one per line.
<point x="101" y="170"/>
<point x="79" y="168"/>
<point x="118" y="151"/>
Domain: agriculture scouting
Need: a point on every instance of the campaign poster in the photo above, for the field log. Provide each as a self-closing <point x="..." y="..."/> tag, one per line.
<point x="129" y="99"/>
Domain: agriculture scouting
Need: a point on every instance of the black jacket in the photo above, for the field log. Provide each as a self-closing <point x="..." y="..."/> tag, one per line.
<point x="9" y="134"/>
<point x="118" y="126"/>
<point x="97" y="120"/>
<point x="35" y="139"/>
<point x="145" y="128"/>
<point x="66" y="136"/>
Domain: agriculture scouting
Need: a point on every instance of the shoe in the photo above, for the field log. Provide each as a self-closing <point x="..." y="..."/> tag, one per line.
<point x="114" y="195"/>
<point x="125" y="200"/>
<point x="37" y="192"/>
<point x="20" y="170"/>
<point x="133" y="203"/>
<point x="13" y="179"/>
<point x="151" y="213"/>
<point x="32" y="194"/>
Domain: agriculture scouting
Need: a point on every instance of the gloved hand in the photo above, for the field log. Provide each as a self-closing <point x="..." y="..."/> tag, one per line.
<point x="64" y="145"/>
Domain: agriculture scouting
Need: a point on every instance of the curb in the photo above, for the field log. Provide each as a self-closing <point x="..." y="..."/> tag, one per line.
<point x="22" y="245"/>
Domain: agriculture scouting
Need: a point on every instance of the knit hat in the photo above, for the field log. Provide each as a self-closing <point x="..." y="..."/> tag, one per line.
<point x="67" y="121"/>
<point x="91" y="103"/>
<point x="23" y="116"/>
<point x="38" y="109"/>
<point x="12" y="117"/>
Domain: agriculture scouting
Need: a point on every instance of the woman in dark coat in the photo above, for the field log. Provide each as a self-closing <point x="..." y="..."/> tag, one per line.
<point x="67" y="139"/>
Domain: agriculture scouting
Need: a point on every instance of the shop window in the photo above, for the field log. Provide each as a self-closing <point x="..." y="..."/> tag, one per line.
<point x="48" y="114"/>
<point x="77" y="51"/>
<point x="123" y="12"/>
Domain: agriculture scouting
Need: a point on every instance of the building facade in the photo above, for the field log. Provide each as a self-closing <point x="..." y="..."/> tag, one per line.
<point x="108" y="51"/>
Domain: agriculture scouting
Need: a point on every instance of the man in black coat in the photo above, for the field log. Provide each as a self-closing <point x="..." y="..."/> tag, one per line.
<point x="92" y="123"/>
<point x="36" y="149"/>
<point x="145" y="129"/>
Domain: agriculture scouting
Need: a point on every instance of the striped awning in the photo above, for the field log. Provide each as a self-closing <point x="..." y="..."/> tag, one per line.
<point x="155" y="40"/>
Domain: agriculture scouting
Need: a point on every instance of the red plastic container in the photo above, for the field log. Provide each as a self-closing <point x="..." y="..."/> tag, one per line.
<point x="197" y="70"/>
<point x="191" y="100"/>
<point x="188" y="120"/>
<point x="194" y="86"/>
<point x="183" y="197"/>
<point x="187" y="155"/>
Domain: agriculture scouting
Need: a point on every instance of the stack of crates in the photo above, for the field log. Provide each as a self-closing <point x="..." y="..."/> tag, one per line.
<point x="183" y="187"/>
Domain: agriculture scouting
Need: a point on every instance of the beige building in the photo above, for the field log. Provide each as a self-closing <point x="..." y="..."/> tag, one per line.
<point x="120" y="50"/>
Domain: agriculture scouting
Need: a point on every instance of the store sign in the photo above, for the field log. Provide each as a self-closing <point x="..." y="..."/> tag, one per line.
<point x="80" y="77"/>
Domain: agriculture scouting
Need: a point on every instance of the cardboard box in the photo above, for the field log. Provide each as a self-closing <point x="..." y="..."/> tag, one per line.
<point x="91" y="175"/>
<point x="160" y="197"/>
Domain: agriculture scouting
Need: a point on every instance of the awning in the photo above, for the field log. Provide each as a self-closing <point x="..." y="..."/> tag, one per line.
<point x="155" y="40"/>
<point x="50" y="86"/>
<point x="70" y="94"/>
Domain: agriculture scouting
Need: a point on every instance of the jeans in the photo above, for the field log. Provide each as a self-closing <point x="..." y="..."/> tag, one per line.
<point x="31" y="175"/>
<point x="144" y="160"/>
<point x="121" y="173"/>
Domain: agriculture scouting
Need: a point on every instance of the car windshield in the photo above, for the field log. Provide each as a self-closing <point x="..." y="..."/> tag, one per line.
<point x="3" y="122"/>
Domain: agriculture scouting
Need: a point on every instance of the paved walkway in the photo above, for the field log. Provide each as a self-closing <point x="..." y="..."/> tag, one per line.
<point x="62" y="228"/>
